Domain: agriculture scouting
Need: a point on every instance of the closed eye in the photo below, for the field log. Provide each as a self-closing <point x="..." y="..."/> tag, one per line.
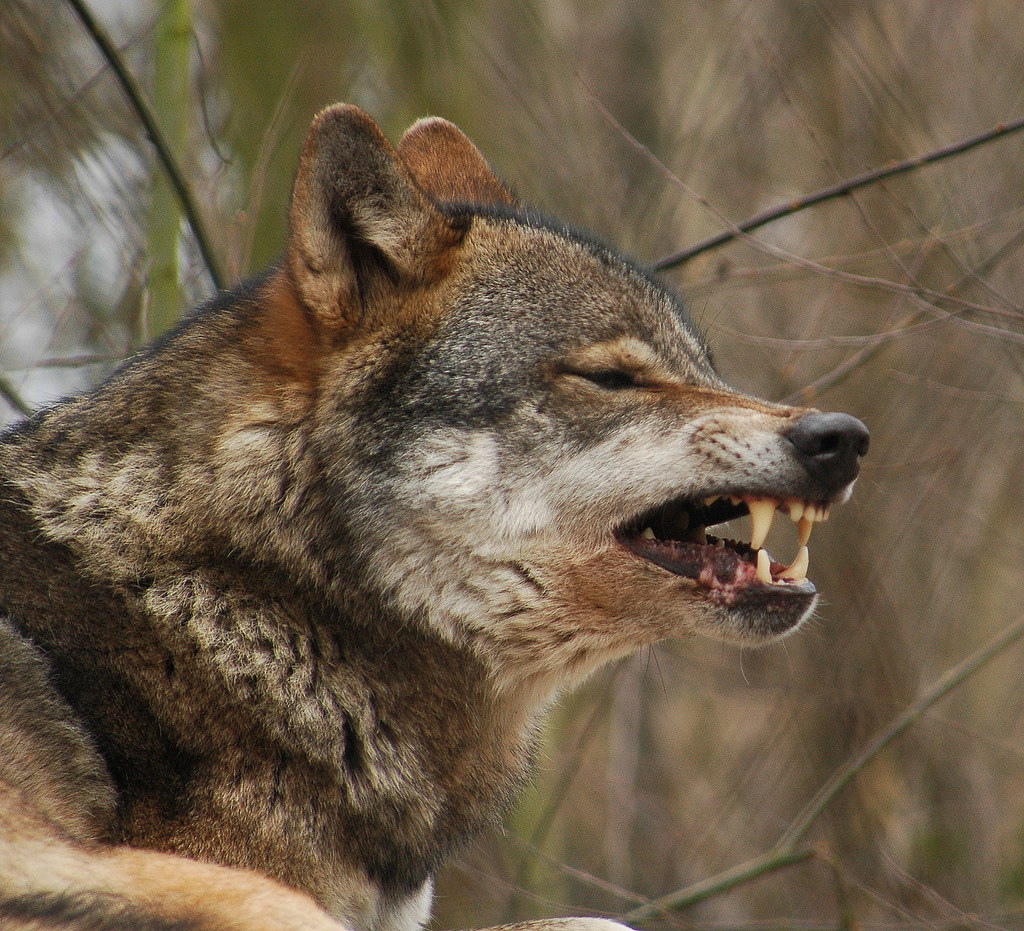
<point x="610" y="379"/>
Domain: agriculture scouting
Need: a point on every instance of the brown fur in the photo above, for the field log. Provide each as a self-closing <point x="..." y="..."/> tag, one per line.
<point x="283" y="601"/>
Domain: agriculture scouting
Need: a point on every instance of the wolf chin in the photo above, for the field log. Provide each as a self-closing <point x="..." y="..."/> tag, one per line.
<point x="282" y="601"/>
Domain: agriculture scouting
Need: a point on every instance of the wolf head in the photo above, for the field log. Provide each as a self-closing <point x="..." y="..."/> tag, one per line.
<point x="443" y="411"/>
<point x="523" y="433"/>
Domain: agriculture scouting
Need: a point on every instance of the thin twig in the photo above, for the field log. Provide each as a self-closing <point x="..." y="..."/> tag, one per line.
<point x="790" y="848"/>
<point x="835" y="190"/>
<point x="148" y="120"/>
<point x="915" y="320"/>
<point x="11" y="395"/>
<point x="723" y="882"/>
<point x="953" y="678"/>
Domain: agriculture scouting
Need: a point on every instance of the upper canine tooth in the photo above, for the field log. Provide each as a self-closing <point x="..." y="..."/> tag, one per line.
<point x="803" y="529"/>
<point x="796" y="510"/>
<point x="761" y="514"/>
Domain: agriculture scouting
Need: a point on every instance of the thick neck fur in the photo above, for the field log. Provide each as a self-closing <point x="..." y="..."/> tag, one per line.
<point x="162" y="554"/>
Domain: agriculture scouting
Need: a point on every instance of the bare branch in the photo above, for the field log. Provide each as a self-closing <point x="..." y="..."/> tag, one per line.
<point x="789" y="848"/>
<point x="766" y="863"/>
<point x="953" y="678"/>
<point x="148" y="120"/>
<point x="835" y="190"/>
<point x="10" y="394"/>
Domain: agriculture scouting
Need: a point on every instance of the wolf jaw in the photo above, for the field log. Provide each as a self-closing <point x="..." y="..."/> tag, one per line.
<point x="673" y="535"/>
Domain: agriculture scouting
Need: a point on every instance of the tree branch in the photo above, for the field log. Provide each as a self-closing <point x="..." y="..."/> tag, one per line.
<point x="10" y="394"/>
<point x="833" y="191"/>
<point x="148" y="120"/>
<point x="766" y="863"/>
<point x="790" y="848"/>
<point x="953" y="678"/>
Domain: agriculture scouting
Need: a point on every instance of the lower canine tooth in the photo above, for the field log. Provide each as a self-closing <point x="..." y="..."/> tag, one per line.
<point x="797" y="572"/>
<point x="764" y="572"/>
<point x="803" y="529"/>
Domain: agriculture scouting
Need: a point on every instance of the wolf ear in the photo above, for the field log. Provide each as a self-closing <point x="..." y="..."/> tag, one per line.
<point x="355" y="212"/>
<point x="448" y="167"/>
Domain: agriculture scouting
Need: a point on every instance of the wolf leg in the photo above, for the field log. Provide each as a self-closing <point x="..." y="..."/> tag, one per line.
<point x="47" y="884"/>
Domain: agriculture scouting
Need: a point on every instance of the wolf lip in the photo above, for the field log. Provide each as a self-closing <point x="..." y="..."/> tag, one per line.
<point x="718" y="564"/>
<point x="673" y="537"/>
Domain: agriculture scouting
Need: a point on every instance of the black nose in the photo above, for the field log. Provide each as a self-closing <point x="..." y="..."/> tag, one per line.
<point x="829" y="446"/>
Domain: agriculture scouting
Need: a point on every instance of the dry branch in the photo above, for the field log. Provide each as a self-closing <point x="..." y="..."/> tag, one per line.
<point x="833" y="191"/>
<point x="147" y="118"/>
<point x="789" y="848"/>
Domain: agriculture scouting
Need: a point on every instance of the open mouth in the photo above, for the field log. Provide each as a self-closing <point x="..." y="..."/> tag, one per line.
<point x="674" y="536"/>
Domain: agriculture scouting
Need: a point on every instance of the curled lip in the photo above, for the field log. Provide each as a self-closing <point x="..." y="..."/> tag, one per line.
<point x="723" y="566"/>
<point x="673" y="536"/>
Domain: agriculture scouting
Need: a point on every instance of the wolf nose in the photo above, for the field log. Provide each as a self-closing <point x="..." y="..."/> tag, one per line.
<point x="829" y="446"/>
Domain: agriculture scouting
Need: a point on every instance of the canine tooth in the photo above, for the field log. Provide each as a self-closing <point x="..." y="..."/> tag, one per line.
<point x="803" y="529"/>
<point x="761" y="514"/>
<point x="796" y="510"/>
<point x="764" y="571"/>
<point x="648" y="534"/>
<point x="797" y="570"/>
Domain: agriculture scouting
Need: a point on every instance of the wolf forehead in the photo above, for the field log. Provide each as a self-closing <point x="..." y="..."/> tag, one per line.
<point x="532" y="295"/>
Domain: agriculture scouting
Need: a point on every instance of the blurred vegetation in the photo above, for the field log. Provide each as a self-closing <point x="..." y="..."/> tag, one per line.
<point x="654" y="125"/>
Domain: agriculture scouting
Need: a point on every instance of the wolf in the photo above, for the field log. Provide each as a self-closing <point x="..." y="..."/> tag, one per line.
<point x="283" y="601"/>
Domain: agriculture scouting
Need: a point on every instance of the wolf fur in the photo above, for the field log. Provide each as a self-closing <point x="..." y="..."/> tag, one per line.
<point x="283" y="601"/>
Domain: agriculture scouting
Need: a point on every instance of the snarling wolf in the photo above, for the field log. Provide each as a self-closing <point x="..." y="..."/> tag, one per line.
<point x="284" y="599"/>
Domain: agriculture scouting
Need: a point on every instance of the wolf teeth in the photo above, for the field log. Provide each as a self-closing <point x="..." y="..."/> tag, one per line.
<point x="761" y="515"/>
<point x="804" y="514"/>
<point x="762" y="512"/>
<point x="813" y="513"/>
<point x="797" y="570"/>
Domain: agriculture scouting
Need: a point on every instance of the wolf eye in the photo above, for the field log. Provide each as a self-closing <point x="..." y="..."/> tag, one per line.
<point x="610" y="379"/>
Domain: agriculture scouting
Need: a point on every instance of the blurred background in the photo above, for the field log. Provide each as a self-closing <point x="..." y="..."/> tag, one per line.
<point x="653" y="124"/>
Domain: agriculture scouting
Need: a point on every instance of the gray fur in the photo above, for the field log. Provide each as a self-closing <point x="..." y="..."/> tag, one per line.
<point x="290" y="592"/>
